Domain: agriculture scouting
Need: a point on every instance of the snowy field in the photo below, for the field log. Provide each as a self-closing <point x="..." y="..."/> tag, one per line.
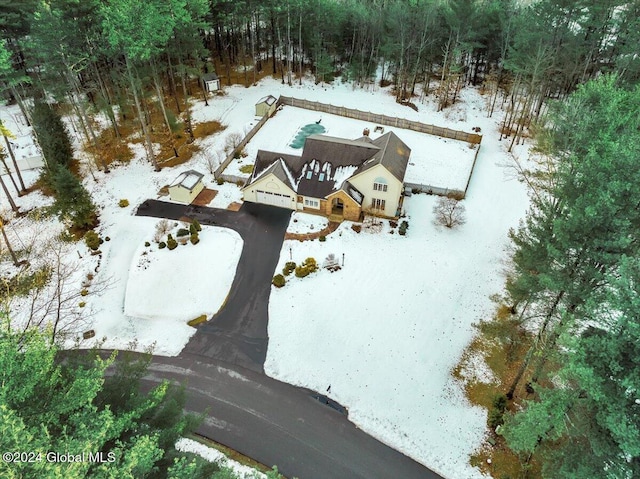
<point x="434" y="161"/>
<point x="182" y="284"/>
<point x="386" y="330"/>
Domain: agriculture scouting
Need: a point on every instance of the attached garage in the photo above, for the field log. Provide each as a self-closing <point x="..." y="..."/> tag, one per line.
<point x="275" y="199"/>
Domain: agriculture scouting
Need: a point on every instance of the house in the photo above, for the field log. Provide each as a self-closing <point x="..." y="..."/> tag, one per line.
<point x="336" y="177"/>
<point x="266" y="106"/>
<point x="186" y="186"/>
<point x="211" y="82"/>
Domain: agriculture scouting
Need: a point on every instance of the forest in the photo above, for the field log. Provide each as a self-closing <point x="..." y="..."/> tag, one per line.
<point x="564" y="343"/>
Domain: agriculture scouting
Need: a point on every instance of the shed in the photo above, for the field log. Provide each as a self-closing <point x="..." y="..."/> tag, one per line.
<point x="211" y="82"/>
<point x="266" y="105"/>
<point x="186" y="186"/>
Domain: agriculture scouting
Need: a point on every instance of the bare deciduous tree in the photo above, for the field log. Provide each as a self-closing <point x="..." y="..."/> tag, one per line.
<point x="56" y="296"/>
<point x="449" y="212"/>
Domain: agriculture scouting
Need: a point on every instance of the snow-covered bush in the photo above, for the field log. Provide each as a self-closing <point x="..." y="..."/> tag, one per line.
<point x="123" y="203"/>
<point x="194" y="239"/>
<point x="171" y="243"/>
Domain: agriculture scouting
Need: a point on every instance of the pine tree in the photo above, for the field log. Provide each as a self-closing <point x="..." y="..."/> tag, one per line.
<point x="73" y="203"/>
<point x="69" y="407"/>
<point x="53" y="137"/>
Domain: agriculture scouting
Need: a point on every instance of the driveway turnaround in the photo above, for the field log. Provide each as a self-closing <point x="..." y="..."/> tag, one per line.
<point x="237" y="334"/>
<point x="276" y="423"/>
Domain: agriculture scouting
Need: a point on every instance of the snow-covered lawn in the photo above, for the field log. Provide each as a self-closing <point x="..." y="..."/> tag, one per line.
<point x="387" y="329"/>
<point x="301" y="223"/>
<point x="182" y="284"/>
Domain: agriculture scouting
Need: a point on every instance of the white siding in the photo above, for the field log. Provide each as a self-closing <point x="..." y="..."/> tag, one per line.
<point x="270" y="191"/>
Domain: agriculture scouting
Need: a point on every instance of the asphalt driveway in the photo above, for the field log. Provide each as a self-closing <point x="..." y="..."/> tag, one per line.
<point x="237" y="334"/>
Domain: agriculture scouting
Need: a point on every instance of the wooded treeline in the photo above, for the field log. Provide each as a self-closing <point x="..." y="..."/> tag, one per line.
<point x="99" y="54"/>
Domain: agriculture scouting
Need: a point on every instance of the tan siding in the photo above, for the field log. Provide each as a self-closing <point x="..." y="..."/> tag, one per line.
<point x="364" y="183"/>
<point x="183" y="195"/>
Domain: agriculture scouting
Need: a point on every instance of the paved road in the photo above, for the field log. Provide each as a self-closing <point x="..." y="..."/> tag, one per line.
<point x="238" y="333"/>
<point x="276" y="423"/>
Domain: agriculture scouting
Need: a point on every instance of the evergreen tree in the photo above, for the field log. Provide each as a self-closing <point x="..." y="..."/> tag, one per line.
<point x="68" y="407"/>
<point x="52" y="136"/>
<point x="570" y="254"/>
<point x="73" y="203"/>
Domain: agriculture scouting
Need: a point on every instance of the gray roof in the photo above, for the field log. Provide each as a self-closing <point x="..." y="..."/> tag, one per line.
<point x="393" y="155"/>
<point x="188" y="179"/>
<point x="327" y="162"/>
<point x="269" y="100"/>
<point x="209" y="76"/>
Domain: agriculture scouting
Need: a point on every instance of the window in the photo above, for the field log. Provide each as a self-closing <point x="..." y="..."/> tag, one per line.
<point x="377" y="204"/>
<point x="321" y="177"/>
<point x="309" y="173"/>
<point x="380" y="184"/>
<point x="311" y="203"/>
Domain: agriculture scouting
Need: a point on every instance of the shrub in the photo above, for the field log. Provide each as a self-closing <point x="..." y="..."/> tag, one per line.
<point x="123" y="203"/>
<point x="331" y="263"/>
<point x="147" y="244"/>
<point x="278" y="281"/>
<point x="92" y="240"/>
<point x="84" y="292"/>
<point x="195" y="227"/>
<point x="162" y="245"/>
<point x="82" y="304"/>
<point x="220" y="181"/>
<point x="356" y="228"/>
<point x="194" y="239"/>
<point x="449" y="212"/>
<point x="171" y="243"/>
<point x="246" y="169"/>
<point x="306" y="268"/>
<point x="498" y="408"/>
<point x="196" y="321"/>
<point x="182" y="232"/>
<point x="107" y="238"/>
<point x="162" y="228"/>
<point x="403" y="228"/>
<point x="289" y="267"/>
<point x="322" y="238"/>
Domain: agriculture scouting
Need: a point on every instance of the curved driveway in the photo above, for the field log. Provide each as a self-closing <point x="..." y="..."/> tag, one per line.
<point x="222" y="365"/>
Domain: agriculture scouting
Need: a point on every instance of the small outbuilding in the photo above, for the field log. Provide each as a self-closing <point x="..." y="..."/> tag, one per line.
<point x="186" y="186"/>
<point x="211" y="82"/>
<point x="266" y="106"/>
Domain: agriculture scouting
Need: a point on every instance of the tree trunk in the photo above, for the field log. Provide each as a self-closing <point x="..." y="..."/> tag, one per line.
<point x="6" y="240"/>
<point x="149" y="146"/>
<point x="14" y="207"/>
<point x="15" y="164"/>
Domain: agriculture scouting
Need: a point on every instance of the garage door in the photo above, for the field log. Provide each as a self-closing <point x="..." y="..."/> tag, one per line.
<point x="275" y="199"/>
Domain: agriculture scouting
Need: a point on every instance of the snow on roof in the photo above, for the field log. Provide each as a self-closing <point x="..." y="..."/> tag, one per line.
<point x="269" y="100"/>
<point x="342" y="173"/>
<point x="188" y="179"/>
